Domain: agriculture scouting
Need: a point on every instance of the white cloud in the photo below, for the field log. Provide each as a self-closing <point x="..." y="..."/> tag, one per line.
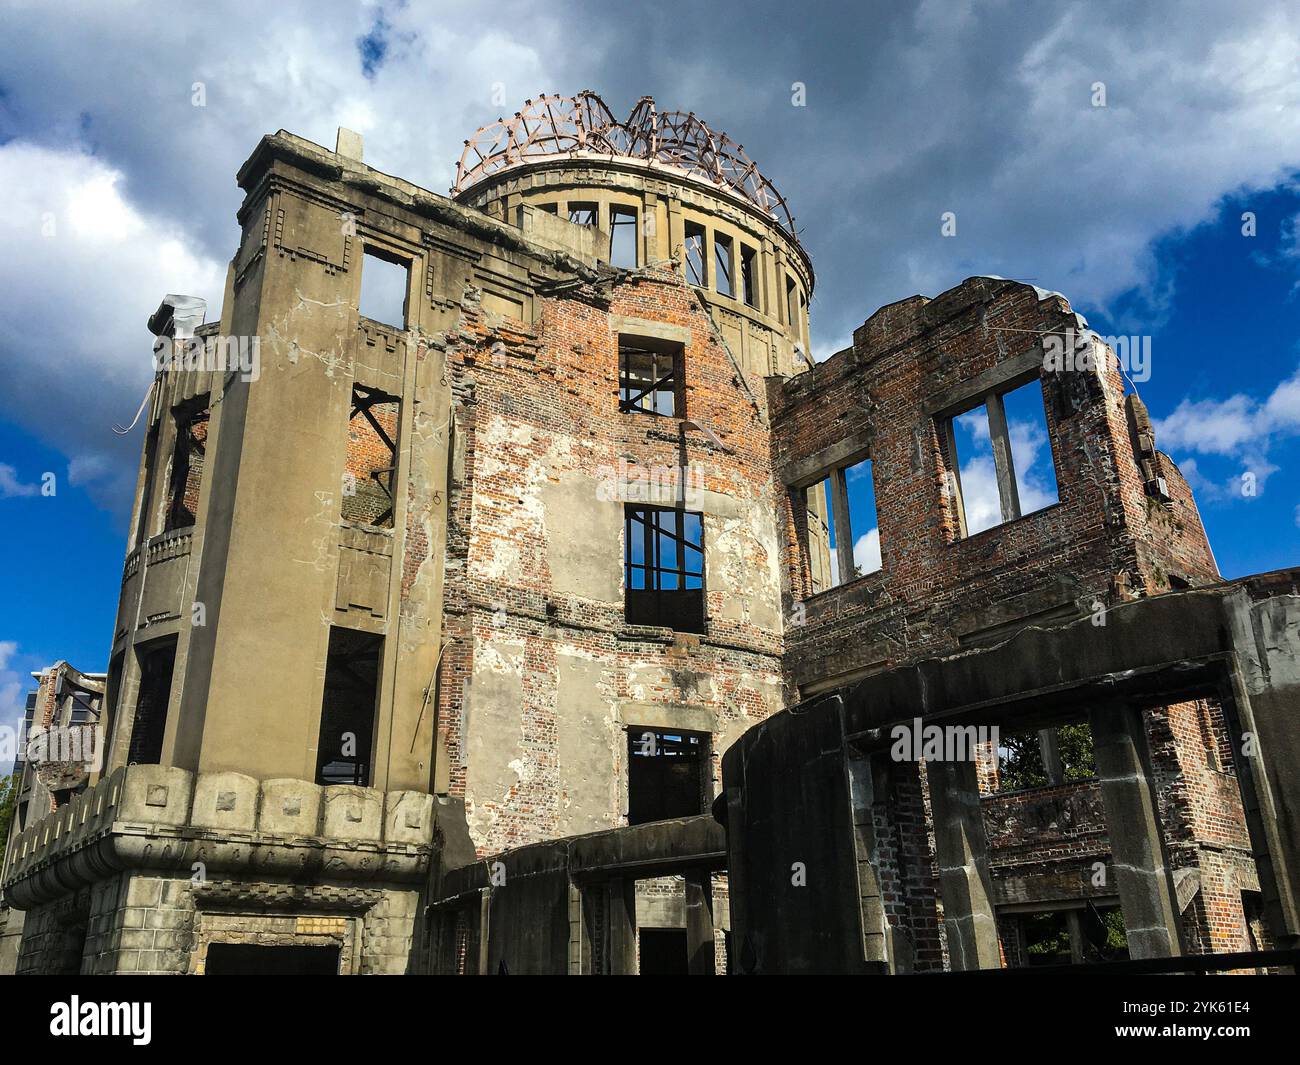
<point x="86" y="270"/>
<point x="14" y="686"/>
<point x="11" y="485"/>
<point x="1031" y="454"/>
<point x="866" y="551"/>
<point x="1240" y="428"/>
<point x="118" y="190"/>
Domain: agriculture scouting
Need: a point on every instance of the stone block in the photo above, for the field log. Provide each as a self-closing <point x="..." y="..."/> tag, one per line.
<point x="290" y="808"/>
<point x="352" y="812"/>
<point x="225" y="801"/>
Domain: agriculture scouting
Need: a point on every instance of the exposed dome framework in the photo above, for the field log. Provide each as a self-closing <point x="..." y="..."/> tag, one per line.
<point x="557" y="125"/>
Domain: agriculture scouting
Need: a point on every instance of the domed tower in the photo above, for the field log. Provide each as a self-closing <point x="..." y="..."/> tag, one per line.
<point x="660" y="188"/>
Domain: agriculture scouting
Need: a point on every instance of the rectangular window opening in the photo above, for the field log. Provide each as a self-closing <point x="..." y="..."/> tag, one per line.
<point x="664" y="568"/>
<point x="792" y="306"/>
<point x="1071" y="936"/>
<point x="385" y="280"/>
<point x="650" y="379"/>
<point x="749" y="275"/>
<point x="255" y="959"/>
<point x="1061" y="754"/>
<point x="157" y="662"/>
<point x="347" y="717"/>
<point x="662" y="952"/>
<point x="371" y="463"/>
<point x="622" y="237"/>
<point x="722" y="266"/>
<point x="187" y="469"/>
<point x="999" y="458"/>
<point x="668" y="774"/>
<point x="584" y="214"/>
<point x="695" y="266"/>
<point x="842" y="537"/>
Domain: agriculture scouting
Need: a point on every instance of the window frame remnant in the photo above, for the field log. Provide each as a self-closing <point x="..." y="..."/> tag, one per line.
<point x="364" y="399"/>
<point x="382" y="294"/>
<point x="749" y="275"/>
<point x="694" y="248"/>
<point x="646" y="746"/>
<point x="1004" y="463"/>
<point x="724" y="267"/>
<point x="584" y="212"/>
<point x="663" y="532"/>
<point x="838" y="521"/>
<point x="622" y="218"/>
<point x="152" y="701"/>
<point x="665" y="379"/>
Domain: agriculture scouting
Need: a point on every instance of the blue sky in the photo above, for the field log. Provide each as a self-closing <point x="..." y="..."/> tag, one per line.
<point x="118" y="161"/>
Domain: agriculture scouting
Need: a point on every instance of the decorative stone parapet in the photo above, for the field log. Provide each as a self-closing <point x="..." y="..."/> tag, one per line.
<point x="153" y="817"/>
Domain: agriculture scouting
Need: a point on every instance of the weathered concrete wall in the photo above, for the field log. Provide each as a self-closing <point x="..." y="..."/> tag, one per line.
<point x="1175" y="883"/>
<point x="546" y="676"/>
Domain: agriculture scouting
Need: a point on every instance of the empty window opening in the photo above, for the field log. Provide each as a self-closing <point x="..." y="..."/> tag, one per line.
<point x="347" y="717"/>
<point x="791" y="305"/>
<point x="1057" y="755"/>
<point x="157" y="662"/>
<point x="81" y="707"/>
<point x="999" y="458"/>
<point x="842" y="536"/>
<point x="622" y="237"/>
<point x="71" y="946"/>
<point x="662" y="952"/>
<point x="384" y="283"/>
<point x="664" y="568"/>
<point x="667" y="775"/>
<point x="1075" y="936"/>
<point x="695" y="266"/>
<point x="371" y="463"/>
<point x="722" y="265"/>
<point x="549" y="208"/>
<point x="650" y="378"/>
<point x="250" y="959"/>
<point x="583" y="214"/>
<point x="749" y="275"/>
<point x="187" y="469"/>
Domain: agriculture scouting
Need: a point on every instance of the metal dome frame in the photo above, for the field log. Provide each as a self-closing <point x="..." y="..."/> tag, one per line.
<point x="583" y="125"/>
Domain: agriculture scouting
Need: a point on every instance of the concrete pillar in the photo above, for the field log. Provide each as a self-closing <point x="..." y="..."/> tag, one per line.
<point x="699" y="923"/>
<point x="864" y="786"/>
<point x="1049" y="746"/>
<point x="843" y="528"/>
<point x="962" y="852"/>
<point x="620" y="928"/>
<point x="1146" y="891"/>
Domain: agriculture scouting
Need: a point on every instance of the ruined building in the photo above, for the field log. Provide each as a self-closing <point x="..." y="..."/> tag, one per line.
<point x="512" y="603"/>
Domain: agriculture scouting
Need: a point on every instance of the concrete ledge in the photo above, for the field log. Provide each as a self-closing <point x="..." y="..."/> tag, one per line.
<point x="164" y="818"/>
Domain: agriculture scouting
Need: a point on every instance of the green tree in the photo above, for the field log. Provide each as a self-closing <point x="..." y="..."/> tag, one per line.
<point x="8" y="801"/>
<point x="1021" y="757"/>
